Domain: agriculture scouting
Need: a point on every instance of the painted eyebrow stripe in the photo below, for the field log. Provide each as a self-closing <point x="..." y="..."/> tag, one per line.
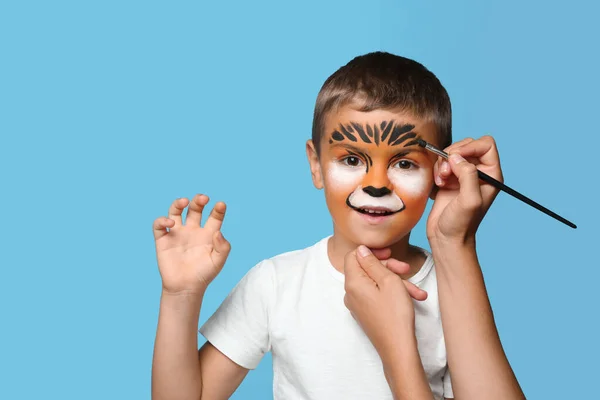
<point x="395" y="134"/>
<point x="347" y="133"/>
<point x="386" y="131"/>
<point x="404" y="138"/>
<point x="361" y="132"/>
<point x="399" y="130"/>
<point x="337" y="136"/>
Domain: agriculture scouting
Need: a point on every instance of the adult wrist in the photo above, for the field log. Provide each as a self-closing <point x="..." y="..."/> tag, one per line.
<point x="441" y="241"/>
<point x="404" y="370"/>
<point x="402" y="345"/>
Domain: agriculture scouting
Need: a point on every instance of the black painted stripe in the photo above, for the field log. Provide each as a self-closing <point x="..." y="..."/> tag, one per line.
<point x="404" y="138"/>
<point x="337" y="136"/>
<point x="399" y="130"/>
<point x="361" y="132"/>
<point x="386" y="131"/>
<point x="347" y="133"/>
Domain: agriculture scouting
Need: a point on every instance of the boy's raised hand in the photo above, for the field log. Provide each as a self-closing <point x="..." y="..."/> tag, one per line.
<point x="379" y="300"/>
<point x="462" y="199"/>
<point x="190" y="256"/>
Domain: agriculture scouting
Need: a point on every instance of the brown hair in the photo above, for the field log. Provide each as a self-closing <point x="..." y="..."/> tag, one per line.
<point x="382" y="80"/>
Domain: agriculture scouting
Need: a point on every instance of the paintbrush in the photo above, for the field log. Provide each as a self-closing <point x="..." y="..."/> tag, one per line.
<point x="499" y="185"/>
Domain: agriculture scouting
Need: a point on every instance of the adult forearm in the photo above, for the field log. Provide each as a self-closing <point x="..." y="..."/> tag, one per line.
<point x="477" y="362"/>
<point x="175" y="366"/>
<point x="404" y="371"/>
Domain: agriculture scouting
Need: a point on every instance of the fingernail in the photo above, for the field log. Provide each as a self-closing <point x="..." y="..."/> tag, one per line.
<point x="438" y="180"/>
<point x="445" y="167"/>
<point x="363" y="251"/>
<point x="456" y="158"/>
<point x="220" y="235"/>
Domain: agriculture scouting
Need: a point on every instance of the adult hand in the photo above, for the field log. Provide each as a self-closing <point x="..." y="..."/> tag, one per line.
<point x="462" y="200"/>
<point x="379" y="300"/>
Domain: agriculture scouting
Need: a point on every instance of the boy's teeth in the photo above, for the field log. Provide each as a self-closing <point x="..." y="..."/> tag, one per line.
<point x="375" y="212"/>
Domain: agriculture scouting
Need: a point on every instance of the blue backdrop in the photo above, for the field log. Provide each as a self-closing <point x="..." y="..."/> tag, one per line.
<point x="111" y="109"/>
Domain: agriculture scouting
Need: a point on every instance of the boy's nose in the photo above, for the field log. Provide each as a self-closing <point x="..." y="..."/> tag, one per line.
<point x="376" y="192"/>
<point x="377" y="183"/>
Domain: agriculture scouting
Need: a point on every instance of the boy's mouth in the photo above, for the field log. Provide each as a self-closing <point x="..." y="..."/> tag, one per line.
<point x="372" y="210"/>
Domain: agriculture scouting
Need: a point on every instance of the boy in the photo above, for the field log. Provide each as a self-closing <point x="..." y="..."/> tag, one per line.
<point x="377" y="182"/>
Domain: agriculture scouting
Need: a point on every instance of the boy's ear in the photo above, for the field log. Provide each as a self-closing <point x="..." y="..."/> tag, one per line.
<point x="315" y="166"/>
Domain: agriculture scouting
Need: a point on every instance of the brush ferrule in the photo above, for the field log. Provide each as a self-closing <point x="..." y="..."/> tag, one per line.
<point x="436" y="151"/>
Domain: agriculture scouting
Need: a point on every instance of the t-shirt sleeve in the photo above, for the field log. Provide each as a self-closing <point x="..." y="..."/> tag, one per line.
<point x="239" y="327"/>
<point x="448" y="392"/>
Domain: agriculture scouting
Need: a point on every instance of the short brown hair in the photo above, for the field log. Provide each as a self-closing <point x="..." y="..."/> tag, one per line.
<point x="382" y="80"/>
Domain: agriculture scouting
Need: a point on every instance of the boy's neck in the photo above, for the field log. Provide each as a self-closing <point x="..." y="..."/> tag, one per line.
<point x="338" y="246"/>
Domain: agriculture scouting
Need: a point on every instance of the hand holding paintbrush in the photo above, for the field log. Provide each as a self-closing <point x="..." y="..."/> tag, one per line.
<point x="485" y="151"/>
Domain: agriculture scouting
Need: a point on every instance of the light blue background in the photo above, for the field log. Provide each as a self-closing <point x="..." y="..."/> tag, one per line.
<point x="110" y="109"/>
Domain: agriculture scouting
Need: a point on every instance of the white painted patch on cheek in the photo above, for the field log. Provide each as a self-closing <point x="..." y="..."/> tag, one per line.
<point x="341" y="176"/>
<point x="412" y="182"/>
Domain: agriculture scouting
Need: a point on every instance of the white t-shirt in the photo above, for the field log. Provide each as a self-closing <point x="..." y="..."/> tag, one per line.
<point x="293" y="306"/>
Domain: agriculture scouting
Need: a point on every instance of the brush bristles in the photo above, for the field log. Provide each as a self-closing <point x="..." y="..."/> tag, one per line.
<point x="421" y="143"/>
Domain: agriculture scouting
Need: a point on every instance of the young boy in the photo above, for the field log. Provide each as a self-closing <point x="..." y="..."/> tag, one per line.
<point x="377" y="182"/>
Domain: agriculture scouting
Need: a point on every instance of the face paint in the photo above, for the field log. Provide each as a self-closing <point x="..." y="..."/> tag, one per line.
<point x="359" y="199"/>
<point x="410" y="181"/>
<point x="385" y="133"/>
<point x="344" y="176"/>
<point x="376" y="186"/>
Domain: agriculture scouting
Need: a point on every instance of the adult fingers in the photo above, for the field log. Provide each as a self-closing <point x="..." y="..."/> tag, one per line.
<point x="397" y="267"/>
<point x="458" y="144"/>
<point x="414" y="291"/>
<point x="371" y="265"/>
<point x="469" y="195"/>
<point x="445" y="171"/>
<point x="485" y="151"/>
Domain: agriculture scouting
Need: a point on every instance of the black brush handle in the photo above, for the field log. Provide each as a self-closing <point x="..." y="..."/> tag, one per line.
<point x="486" y="178"/>
<point x="499" y="185"/>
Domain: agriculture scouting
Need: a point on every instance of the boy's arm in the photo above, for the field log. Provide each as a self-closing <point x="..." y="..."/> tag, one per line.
<point x="189" y="258"/>
<point x="222" y="375"/>
<point x="179" y="369"/>
<point x="476" y="359"/>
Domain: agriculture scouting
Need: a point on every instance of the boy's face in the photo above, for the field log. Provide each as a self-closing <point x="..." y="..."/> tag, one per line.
<point x="377" y="180"/>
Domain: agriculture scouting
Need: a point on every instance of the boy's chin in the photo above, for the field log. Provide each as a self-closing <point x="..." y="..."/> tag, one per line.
<point x="377" y="241"/>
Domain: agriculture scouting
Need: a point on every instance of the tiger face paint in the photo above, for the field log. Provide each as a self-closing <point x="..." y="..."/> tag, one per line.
<point x="377" y="180"/>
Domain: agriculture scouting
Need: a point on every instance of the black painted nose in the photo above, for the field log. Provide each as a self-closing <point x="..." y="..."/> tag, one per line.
<point x="376" y="192"/>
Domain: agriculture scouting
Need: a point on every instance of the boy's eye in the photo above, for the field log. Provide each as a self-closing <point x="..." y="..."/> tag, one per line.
<point x="405" y="164"/>
<point x="352" y="161"/>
